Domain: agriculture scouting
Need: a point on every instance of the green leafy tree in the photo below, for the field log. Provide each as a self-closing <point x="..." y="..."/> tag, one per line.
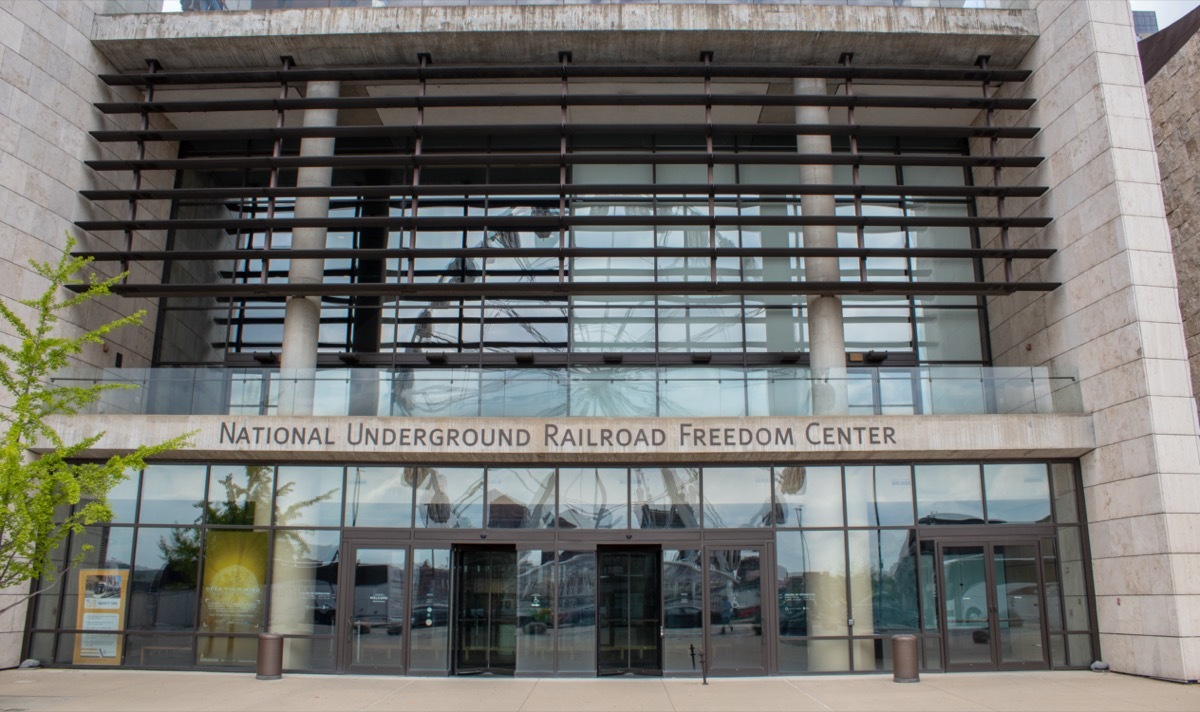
<point x="37" y="493"/>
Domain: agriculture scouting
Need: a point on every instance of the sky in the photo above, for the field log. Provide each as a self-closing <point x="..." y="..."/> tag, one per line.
<point x="1168" y="11"/>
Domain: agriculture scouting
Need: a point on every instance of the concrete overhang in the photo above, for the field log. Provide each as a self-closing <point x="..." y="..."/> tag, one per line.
<point x="593" y="440"/>
<point x="594" y="34"/>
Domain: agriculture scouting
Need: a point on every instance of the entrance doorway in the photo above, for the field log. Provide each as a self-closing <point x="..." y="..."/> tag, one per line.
<point x="377" y="627"/>
<point x="735" y="641"/>
<point x="992" y="603"/>
<point x="485" y="611"/>
<point x="629" y="608"/>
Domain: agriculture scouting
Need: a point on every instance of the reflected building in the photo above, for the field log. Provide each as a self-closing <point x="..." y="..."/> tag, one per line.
<point x="741" y="336"/>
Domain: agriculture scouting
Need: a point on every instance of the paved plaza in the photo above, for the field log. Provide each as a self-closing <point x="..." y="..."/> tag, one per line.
<point x="97" y="691"/>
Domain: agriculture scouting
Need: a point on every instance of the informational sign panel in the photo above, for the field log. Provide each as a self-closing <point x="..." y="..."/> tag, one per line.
<point x="100" y="615"/>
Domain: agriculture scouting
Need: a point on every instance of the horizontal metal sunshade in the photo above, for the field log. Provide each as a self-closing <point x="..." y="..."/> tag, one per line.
<point x="236" y="161"/>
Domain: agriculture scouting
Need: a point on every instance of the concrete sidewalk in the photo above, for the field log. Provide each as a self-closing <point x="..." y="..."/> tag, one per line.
<point x="102" y="690"/>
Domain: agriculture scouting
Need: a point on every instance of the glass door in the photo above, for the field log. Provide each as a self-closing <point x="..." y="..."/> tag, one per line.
<point x="629" y="607"/>
<point x="485" y="616"/>
<point x="992" y="606"/>
<point x="376" y="624"/>
<point x="736" y="644"/>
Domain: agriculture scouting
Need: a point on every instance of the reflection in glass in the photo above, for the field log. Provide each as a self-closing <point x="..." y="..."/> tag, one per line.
<point x="966" y="605"/>
<point x="304" y="580"/>
<point x="1074" y="588"/>
<point x="165" y="579"/>
<point x="173" y="651"/>
<point x="1018" y="603"/>
<point x="309" y="496"/>
<point x="665" y="498"/>
<point x="240" y="494"/>
<point x="447" y="497"/>
<point x="683" y="612"/>
<point x="809" y="496"/>
<point x="170" y="494"/>
<point x="378" y="497"/>
<point x="377" y="623"/>
<point x="879" y="495"/>
<point x="520" y="498"/>
<point x="736" y="642"/>
<point x="593" y="498"/>
<point x="122" y="499"/>
<point x="109" y="548"/>
<point x="737" y="497"/>
<point x="949" y="494"/>
<point x="576" y="625"/>
<point x="429" y="643"/>
<point x="883" y="582"/>
<point x="1066" y="509"/>
<point x="812" y="600"/>
<point x="628" y="611"/>
<point x="535" y="611"/>
<point x="485" y="613"/>
<point x="1016" y="492"/>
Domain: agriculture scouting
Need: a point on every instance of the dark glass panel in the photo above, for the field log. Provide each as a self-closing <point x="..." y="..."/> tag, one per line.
<point x="377" y="622"/>
<point x="628" y="610"/>
<point x="576" y="626"/>
<point x="239" y="652"/>
<point x="165" y="579"/>
<point x="535" y="611"/>
<point x="485" y="610"/>
<point x="430" y="639"/>
<point x="156" y="651"/>
<point x="735" y="635"/>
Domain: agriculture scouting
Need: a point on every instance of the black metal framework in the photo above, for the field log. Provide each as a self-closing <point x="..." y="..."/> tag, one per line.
<point x="430" y="211"/>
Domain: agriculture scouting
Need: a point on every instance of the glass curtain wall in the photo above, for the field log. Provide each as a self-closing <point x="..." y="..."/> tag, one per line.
<point x="216" y="554"/>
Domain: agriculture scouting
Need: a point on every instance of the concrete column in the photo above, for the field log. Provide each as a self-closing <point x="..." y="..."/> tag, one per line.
<point x="827" y="342"/>
<point x="302" y="318"/>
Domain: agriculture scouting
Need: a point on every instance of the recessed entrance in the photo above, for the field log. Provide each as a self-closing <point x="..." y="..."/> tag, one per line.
<point x="485" y="617"/>
<point x="629" y="607"/>
<point x="992" y="601"/>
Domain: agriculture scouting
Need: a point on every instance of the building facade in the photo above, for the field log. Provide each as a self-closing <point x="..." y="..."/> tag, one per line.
<point x="617" y="338"/>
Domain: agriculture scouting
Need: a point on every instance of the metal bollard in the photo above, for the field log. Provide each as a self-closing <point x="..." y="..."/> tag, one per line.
<point x="905" y="659"/>
<point x="270" y="656"/>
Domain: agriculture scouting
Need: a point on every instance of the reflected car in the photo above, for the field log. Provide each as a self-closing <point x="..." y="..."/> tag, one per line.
<point x="683" y="616"/>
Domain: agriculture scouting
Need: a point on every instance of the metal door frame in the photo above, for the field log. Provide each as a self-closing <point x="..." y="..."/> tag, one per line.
<point x="766" y="604"/>
<point x="658" y="551"/>
<point x="347" y="554"/>
<point x="993" y="627"/>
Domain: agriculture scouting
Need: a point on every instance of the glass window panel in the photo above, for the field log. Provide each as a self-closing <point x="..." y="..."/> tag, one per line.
<point x="165" y="579"/>
<point x="930" y="595"/>
<point x="439" y="393"/>
<point x="614" y="392"/>
<point x="621" y="325"/>
<point x="1074" y="588"/>
<point x="449" y="498"/>
<point x="948" y="494"/>
<point x="1066" y="509"/>
<point x="1053" y="590"/>
<point x="948" y="335"/>
<point x="613" y="173"/>
<point x="173" y="494"/>
<point x="593" y="498"/>
<point x="879" y="495"/>
<point x="775" y="328"/>
<point x="576" y="625"/>
<point x="812" y="600"/>
<point x="239" y="652"/>
<point x="869" y="175"/>
<point x="932" y="649"/>
<point x="430" y="639"/>
<point x="534" y="393"/>
<point x="1016" y="492"/>
<point x="737" y="497"/>
<point x="665" y="498"/>
<point x="520" y="498"/>
<point x="535" y="611"/>
<point x="378" y="623"/>
<point x="110" y="548"/>
<point x="683" y="612"/>
<point x="1079" y="650"/>
<point x="309" y="496"/>
<point x="240" y="494"/>
<point x="1058" y="651"/>
<point x="304" y="582"/>
<point x="41" y="647"/>
<point x="883" y="581"/>
<point x="158" y="651"/>
<point x="308" y="654"/>
<point x="933" y="175"/>
<point x="778" y="391"/>
<point x="700" y="328"/>
<point x="877" y="326"/>
<point x="809" y="496"/>
<point x="954" y="389"/>
<point x="750" y="173"/>
<point x="122" y="499"/>
<point x="701" y="392"/>
<point x="233" y="584"/>
<point x="379" y="497"/>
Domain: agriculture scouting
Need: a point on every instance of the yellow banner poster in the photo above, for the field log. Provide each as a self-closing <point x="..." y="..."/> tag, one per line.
<point x="100" y="616"/>
<point x="235" y="577"/>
